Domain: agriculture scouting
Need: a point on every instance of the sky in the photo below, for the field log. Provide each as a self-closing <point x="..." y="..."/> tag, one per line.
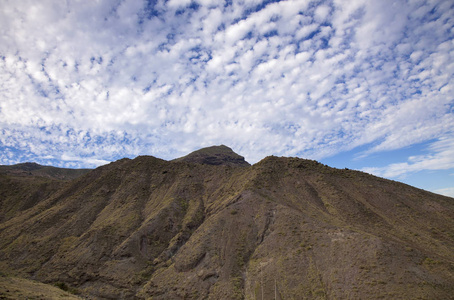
<point x="359" y="84"/>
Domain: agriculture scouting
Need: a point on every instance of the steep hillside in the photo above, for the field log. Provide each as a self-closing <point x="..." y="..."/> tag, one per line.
<point x="13" y="288"/>
<point x="23" y="185"/>
<point x="284" y="227"/>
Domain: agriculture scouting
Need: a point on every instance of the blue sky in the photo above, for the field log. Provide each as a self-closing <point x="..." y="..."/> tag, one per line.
<point x="366" y="85"/>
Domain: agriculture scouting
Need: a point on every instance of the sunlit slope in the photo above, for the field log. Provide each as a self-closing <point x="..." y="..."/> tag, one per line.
<point x="189" y="230"/>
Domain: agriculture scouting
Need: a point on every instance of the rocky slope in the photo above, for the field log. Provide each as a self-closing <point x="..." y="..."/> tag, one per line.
<point x="13" y="288"/>
<point x="24" y="185"/>
<point x="193" y="229"/>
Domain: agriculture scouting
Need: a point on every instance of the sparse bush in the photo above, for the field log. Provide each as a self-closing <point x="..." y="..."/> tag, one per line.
<point x="61" y="285"/>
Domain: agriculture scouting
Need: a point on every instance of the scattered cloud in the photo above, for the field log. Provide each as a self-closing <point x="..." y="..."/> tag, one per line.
<point x="81" y="85"/>
<point x="440" y="157"/>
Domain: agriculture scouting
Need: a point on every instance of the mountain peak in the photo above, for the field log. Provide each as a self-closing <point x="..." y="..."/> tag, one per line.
<point x="27" y="166"/>
<point x="215" y="155"/>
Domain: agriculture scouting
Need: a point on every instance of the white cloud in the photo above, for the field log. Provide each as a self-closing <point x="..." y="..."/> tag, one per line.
<point x="164" y="79"/>
<point x="321" y="13"/>
<point x="178" y="3"/>
<point x="87" y="161"/>
<point x="440" y="157"/>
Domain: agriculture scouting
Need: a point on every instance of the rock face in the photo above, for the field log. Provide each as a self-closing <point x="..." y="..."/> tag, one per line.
<point x="215" y="155"/>
<point x="185" y="229"/>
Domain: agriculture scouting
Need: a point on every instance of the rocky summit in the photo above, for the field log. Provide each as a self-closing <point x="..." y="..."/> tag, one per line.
<point x="215" y="155"/>
<point x="211" y="226"/>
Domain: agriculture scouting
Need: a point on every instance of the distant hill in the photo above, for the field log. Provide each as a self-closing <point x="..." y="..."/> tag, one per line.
<point x="34" y="169"/>
<point x="284" y="228"/>
<point x="24" y="185"/>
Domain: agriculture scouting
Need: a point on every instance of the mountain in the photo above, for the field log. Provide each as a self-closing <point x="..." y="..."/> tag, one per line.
<point x="284" y="228"/>
<point x="215" y="155"/>
<point x="24" y="185"/>
<point x="34" y="169"/>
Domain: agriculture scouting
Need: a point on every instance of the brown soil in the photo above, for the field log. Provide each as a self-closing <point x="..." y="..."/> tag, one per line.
<point x="285" y="227"/>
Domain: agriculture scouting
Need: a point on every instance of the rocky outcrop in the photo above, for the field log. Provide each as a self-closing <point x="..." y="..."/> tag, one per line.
<point x="215" y="155"/>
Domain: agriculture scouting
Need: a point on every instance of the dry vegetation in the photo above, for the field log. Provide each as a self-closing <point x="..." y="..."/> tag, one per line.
<point x="184" y="229"/>
<point x="22" y="289"/>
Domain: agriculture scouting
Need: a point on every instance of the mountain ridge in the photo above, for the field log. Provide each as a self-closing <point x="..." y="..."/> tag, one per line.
<point x="35" y="169"/>
<point x="181" y="229"/>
